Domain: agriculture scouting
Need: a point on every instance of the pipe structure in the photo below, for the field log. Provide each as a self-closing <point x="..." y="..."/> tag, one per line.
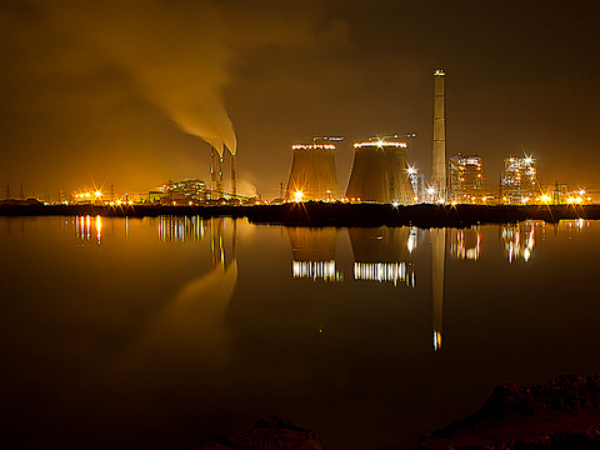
<point x="380" y="173"/>
<point x="213" y="169"/>
<point x="233" y="177"/>
<point x="438" y="160"/>
<point x="313" y="175"/>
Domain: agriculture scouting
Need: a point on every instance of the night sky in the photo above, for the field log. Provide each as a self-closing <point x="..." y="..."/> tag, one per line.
<point x="117" y="92"/>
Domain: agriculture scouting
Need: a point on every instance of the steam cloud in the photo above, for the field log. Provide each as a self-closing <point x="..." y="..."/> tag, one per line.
<point x="179" y="52"/>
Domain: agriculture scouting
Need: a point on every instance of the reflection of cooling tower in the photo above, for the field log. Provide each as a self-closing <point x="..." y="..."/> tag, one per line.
<point x="379" y="173"/>
<point x="381" y="244"/>
<point x="438" y="271"/>
<point x="313" y="244"/>
<point x="313" y="175"/>
<point x="379" y="254"/>
<point x="314" y="253"/>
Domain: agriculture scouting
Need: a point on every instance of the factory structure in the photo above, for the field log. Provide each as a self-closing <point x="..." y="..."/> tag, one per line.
<point x="465" y="178"/>
<point x="518" y="181"/>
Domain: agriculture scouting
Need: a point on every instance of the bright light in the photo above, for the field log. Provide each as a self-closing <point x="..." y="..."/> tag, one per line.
<point x="431" y="190"/>
<point x="528" y="160"/>
<point x="98" y="194"/>
<point x="570" y="200"/>
<point x="546" y="198"/>
<point x="119" y="202"/>
<point x="579" y="200"/>
<point x="411" y="170"/>
<point x="582" y="192"/>
<point x="87" y="195"/>
<point x="524" y="200"/>
<point x="298" y="196"/>
<point x="395" y="204"/>
<point x="380" y="143"/>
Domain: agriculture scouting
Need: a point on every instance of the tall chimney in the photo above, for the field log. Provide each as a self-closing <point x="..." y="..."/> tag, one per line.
<point x="438" y="160"/>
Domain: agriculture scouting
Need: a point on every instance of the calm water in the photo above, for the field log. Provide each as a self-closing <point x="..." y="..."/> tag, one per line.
<point x="160" y="333"/>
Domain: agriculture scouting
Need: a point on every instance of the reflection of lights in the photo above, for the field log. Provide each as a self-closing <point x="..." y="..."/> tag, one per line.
<point x="437" y="340"/>
<point x="323" y="270"/>
<point x="98" y="228"/>
<point x="411" y="244"/>
<point x="380" y="271"/>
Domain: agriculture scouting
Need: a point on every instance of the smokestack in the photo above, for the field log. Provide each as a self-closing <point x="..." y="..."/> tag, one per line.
<point x="313" y="175"/>
<point x="213" y="170"/>
<point x="438" y="160"/>
<point x="379" y="173"/>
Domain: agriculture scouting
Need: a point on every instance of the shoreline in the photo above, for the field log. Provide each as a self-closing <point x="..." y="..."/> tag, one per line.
<point x="315" y="214"/>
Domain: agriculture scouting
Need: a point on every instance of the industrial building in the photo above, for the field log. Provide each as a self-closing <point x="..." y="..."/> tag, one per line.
<point x="518" y="181"/>
<point x="182" y="192"/>
<point x="380" y="173"/>
<point x="466" y="178"/>
<point x="313" y="175"/>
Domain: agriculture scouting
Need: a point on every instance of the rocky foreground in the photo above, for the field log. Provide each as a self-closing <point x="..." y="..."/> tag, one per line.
<point x="271" y="433"/>
<point x="563" y="414"/>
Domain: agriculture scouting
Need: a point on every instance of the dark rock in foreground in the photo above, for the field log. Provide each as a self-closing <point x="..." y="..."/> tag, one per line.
<point x="271" y="433"/>
<point x="563" y="414"/>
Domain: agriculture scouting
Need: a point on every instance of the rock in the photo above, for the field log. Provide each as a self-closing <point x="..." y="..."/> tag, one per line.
<point x="563" y="414"/>
<point x="270" y="433"/>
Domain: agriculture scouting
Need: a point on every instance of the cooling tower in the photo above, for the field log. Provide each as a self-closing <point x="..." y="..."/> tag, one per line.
<point x="438" y="161"/>
<point x="313" y="175"/>
<point x="379" y="173"/>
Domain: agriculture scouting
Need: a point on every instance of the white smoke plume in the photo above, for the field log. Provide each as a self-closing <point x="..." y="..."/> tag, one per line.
<point x="179" y="52"/>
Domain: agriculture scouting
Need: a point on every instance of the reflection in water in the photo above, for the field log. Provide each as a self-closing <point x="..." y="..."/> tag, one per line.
<point x="379" y="254"/>
<point x="313" y="252"/>
<point x="83" y="228"/>
<point x="438" y="268"/>
<point x="174" y="228"/>
<point x="519" y="239"/>
<point x="466" y="243"/>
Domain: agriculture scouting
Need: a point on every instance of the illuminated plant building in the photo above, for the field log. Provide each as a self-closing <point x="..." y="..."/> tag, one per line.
<point x="466" y="178"/>
<point x="313" y="175"/>
<point x="518" y="181"/>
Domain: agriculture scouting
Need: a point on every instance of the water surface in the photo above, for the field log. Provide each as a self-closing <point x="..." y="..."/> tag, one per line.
<point x="160" y="333"/>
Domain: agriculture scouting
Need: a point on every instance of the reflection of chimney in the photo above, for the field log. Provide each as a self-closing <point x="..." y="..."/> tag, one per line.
<point x="379" y="173"/>
<point x="313" y="175"/>
<point x="438" y="267"/>
<point x="438" y="161"/>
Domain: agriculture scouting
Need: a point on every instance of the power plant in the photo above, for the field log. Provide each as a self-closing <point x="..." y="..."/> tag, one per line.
<point x="313" y="175"/>
<point x="380" y="173"/>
